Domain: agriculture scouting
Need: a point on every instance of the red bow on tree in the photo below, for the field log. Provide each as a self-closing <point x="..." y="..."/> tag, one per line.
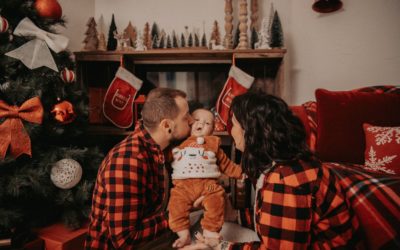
<point x="12" y="131"/>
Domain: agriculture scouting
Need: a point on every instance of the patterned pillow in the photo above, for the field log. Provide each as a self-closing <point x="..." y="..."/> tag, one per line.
<point x="382" y="151"/>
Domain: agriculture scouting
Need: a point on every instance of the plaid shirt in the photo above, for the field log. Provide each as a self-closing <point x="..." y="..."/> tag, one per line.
<point x="302" y="206"/>
<point x="127" y="206"/>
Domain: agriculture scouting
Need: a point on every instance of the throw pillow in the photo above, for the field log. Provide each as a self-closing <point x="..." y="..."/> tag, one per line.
<point x="382" y="151"/>
<point x="340" y="119"/>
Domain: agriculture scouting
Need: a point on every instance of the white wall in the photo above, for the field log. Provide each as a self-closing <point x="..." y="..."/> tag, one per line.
<point x="354" y="47"/>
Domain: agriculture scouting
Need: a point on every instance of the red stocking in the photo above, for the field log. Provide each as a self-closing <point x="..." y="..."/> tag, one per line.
<point x="238" y="82"/>
<point x="118" y="102"/>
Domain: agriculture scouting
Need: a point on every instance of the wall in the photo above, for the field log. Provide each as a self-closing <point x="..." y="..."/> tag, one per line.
<point x="354" y="47"/>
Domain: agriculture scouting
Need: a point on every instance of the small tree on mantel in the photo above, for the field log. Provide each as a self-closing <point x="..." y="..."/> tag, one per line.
<point x="276" y="32"/>
<point x="91" y="40"/>
<point x="112" y="42"/>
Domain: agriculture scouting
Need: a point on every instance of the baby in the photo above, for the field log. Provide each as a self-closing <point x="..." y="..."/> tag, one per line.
<point x="198" y="163"/>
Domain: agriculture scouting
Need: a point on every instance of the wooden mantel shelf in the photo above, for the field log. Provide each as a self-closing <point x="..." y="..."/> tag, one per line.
<point x="167" y="56"/>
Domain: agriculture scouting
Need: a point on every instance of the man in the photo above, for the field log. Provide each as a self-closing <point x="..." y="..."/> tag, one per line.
<point x="130" y="194"/>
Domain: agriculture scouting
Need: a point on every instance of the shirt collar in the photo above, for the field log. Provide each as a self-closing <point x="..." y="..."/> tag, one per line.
<point x="149" y="141"/>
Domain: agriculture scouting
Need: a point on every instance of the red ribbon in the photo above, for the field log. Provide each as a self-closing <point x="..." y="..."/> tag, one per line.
<point x="12" y="131"/>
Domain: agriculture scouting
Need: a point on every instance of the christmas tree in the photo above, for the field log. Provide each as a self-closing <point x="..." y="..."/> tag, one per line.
<point x="46" y="173"/>
<point x="276" y="32"/>
<point x="112" y="42"/>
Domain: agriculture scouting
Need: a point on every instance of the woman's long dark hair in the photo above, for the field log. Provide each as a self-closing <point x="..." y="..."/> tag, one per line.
<point x="271" y="132"/>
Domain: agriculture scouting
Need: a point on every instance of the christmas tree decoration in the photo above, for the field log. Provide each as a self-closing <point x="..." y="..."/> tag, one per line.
<point x="215" y="35"/>
<point x="48" y="9"/>
<point x="253" y="38"/>
<point x="183" y="41"/>
<point x="12" y="131"/>
<point x="236" y="37"/>
<point x="66" y="173"/>
<point x="238" y="82"/>
<point x="130" y="33"/>
<point x="67" y="75"/>
<point x="190" y="40"/>
<point x="155" y="32"/>
<point x="263" y="38"/>
<point x="327" y="6"/>
<point x="228" y="24"/>
<point x="174" y="40"/>
<point x="276" y="32"/>
<point x="147" y="36"/>
<point x="139" y="46"/>
<point x="155" y="42"/>
<point x="112" y="42"/>
<point x="3" y="24"/>
<point x="63" y="112"/>
<point x="118" y="102"/>
<point x="102" y="38"/>
<point x="196" y="40"/>
<point x="161" y="44"/>
<point x="36" y="53"/>
<point x="169" y="43"/>
<point x="243" y="41"/>
<point x="204" y="40"/>
<point x="91" y="40"/>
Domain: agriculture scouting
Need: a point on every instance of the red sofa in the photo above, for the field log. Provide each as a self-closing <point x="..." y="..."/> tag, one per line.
<point x="373" y="195"/>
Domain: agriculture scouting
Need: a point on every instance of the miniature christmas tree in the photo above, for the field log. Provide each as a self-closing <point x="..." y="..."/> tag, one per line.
<point x="112" y="42"/>
<point x="102" y="38"/>
<point x="204" y="40"/>
<point x="40" y="181"/>
<point x="215" y="35"/>
<point x="174" y="40"/>
<point x="183" y="42"/>
<point x="161" y="45"/>
<point x="236" y="37"/>
<point x="263" y="38"/>
<point x="190" y="40"/>
<point x="276" y="32"/>
<point x="91" y="41"/>
<point x="169" y="43"/>
<point x="155" y="32"/>
<point x="147" y="36"/>
<point x="154" y="43"/>
<point x="253" y="38"/>
<point x="130" y="33"/>
<point x="196" y="40"/>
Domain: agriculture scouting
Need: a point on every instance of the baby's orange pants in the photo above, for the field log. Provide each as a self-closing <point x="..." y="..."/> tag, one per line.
<point x="185" y="192"/>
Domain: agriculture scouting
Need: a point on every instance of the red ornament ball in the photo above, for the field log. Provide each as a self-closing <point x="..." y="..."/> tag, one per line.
<point x="48" y="9"/>
<point x="67" y="75"/>
<point x="3" y="24"/>
<point x="63" y="112"/>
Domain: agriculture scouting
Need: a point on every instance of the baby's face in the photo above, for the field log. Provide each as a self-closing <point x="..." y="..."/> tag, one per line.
<point x="203" y="123"/>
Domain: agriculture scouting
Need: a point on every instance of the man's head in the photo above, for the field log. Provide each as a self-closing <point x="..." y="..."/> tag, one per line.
<point x="203" y="124"/>
<point x="167" y="111"/>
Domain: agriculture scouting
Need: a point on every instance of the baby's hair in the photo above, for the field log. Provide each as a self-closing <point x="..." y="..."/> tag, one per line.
<point x="212" y="113"/>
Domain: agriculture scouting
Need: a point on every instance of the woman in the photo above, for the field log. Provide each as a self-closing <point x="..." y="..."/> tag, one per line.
<point x="299" y="203"/>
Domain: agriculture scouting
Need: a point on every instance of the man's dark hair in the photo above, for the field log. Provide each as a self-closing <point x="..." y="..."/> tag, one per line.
<point x="160" y="104"/>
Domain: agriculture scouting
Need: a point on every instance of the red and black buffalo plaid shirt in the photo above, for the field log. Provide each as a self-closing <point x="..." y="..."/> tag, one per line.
<point x="127" y="206"/>
<point x="302" y="206"/>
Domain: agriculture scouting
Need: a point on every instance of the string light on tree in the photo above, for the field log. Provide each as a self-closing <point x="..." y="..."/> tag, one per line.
<point x="50" y="9"/>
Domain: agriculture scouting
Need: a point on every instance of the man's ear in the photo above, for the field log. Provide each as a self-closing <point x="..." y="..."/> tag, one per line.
<point x="166" y="125"/>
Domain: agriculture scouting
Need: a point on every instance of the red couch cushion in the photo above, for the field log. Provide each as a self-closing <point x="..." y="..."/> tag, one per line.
<point x="382" y="151"/>
<point x="340" y="118"/>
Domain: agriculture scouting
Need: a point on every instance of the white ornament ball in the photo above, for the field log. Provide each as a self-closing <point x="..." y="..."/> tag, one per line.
<point x="3" y="24"/>
<point x="66" y="173"/>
